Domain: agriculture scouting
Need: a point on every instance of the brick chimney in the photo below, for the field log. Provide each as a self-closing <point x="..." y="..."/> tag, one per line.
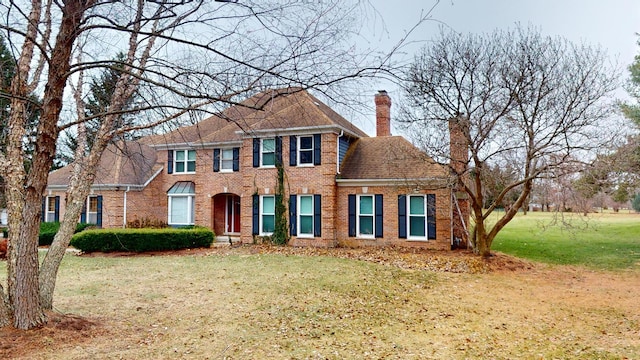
<point x="459" y="160"/>
<point x="383" y="113"/>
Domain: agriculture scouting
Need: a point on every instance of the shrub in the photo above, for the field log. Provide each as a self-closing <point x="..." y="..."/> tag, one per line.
<point x="48" y="231"/>
<point x="145" y="222"/>
<point x="141" y="240"/>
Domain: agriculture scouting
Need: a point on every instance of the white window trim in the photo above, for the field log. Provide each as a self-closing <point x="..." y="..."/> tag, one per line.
<point x="261" y="214"/>
<point x="89" y="212"/>
<point x="190" y="207"/>
<point x="186" y="161"/>
<point x="426" y="224"/>
<point x="373" y="215"/>
<point x="262" y="153"/>
<point x="299" y="214"/>
<point x="50" y="216"/>
<point x="299" y="149"/>
<point x="223" y="169"/>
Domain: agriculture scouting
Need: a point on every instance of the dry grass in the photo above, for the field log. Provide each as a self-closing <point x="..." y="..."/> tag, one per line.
<point x="246" y="304"/>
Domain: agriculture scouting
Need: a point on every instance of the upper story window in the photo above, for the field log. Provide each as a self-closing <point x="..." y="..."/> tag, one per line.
<point x="181" y="161"/>
<point x="304" y="150"/>
<point x="226" y="160"/>
<point x="267" y="152"/>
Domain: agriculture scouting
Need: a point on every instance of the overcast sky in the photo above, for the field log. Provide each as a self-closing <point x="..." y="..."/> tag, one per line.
<point x="612" y="24"/>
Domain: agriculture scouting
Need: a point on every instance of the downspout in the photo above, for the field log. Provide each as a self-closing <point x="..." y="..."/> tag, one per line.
<point x="338" y="152"/>
<point x="124" y="217"/>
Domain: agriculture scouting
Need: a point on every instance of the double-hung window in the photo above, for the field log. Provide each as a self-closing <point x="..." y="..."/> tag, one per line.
<point x="268" y="152"/>
<point x="50" y="209"/>
<point x="305" y="150"/>
<point x="305" y="215"/>
<point x="226" y="160"/>
<point x="416" y="217"/>
<point x="267" y="214"/>
<point x="92" y="209"/>
<point x="185" y="161"/>
<point x="365" y="216"/>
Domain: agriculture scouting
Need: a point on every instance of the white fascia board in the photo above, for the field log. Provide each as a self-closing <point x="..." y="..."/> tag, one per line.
<point x="423" y="182"/>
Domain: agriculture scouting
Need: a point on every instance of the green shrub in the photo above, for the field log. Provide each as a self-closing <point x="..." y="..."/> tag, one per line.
<point x="141" y="240"/>
<point x="48" y="231"/>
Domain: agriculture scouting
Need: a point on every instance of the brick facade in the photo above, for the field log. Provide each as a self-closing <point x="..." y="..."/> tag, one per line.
<point x="214" y="188"/>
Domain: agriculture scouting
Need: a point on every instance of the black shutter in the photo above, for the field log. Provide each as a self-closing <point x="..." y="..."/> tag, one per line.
<point x="352" y="215"/>
<point x="236" y="159"/>
<point x="293" y="150"/>
<point x="293" y="215"/>
<point x="317" y="141"/>
<point x="317" y="215"/>
<point x="431" y="216"/>
<point x="255" y="220"/>
<point x="279" y="150"/>
<point x="99" y="214"/>
<point x="43" y="209"/>
<point x="170" y="162"/>
<point x="216" y="160"/>
<point x="379" y="219"/>
<point x="83" y="214"/>
<point x="56" y="216"/>
<point x="256" y="152"/>
<point x="402" y="216"/>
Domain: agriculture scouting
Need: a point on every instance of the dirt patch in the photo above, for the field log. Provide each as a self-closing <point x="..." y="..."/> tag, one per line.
<point x="60" y="329"/>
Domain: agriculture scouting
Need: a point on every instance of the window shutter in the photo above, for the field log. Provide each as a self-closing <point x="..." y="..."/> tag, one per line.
<point x="43" y="209"/>
<point x="352" y="215"/>
<point x="99" y="214"/>
<point x="293" y="150"/>
<point x="236" y="159"/>
<point x="216" y="160"/>
<point x="256" y="152"/>
<point x="431" y="216"/>
<point x="379" y="219"/>
<point x="170" y="162"/>
<point x="255" y="220"/>
<point x="83" y="214"/>
<point x="293" y="215"/>
<point x="317" y="215"/>
<point x="279" y="150"/>
<point x="56" y="216"/>
<point x="317" y="141"/>
<point x="402" y="216"/>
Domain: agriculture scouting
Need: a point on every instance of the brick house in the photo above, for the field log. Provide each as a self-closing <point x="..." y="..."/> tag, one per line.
<point x="341" y="186"/>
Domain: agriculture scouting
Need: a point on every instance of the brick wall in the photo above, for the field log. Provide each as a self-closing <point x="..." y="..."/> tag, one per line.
<point x="390" y="211"/>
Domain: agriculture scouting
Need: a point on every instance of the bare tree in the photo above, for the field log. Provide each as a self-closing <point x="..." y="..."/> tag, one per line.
<point x="182" y="59"/>
<point x="531" y="103"/>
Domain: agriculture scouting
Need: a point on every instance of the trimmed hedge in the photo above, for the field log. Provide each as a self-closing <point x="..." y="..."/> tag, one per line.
<point x="49" y="229"/>
<point x="141" y="240"/>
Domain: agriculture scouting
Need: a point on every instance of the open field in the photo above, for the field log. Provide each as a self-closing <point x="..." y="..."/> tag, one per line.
<point x="242" y="303"/>
<point x="598" y="241"/>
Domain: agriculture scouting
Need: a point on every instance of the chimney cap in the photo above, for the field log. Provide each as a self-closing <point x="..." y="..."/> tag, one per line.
<point x="382" y="92"/>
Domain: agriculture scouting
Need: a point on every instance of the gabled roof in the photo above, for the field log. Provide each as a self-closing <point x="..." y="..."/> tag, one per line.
<point x="127" y="163"/>
<point x="277" y="110"/>
<point x="389" y="158"/>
